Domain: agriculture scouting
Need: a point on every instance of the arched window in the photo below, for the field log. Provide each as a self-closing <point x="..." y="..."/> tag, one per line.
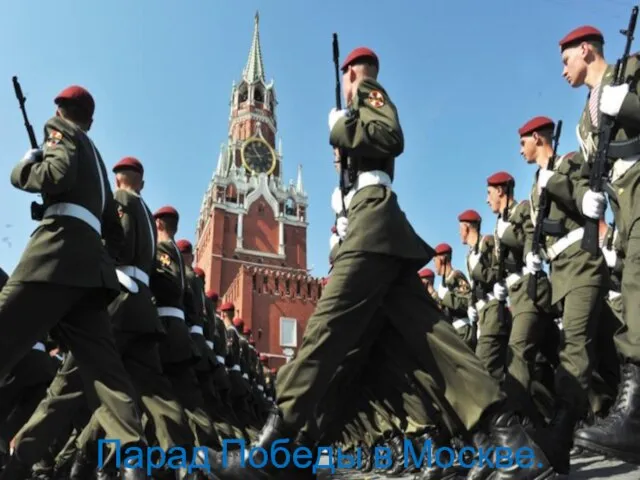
<point x="258" y="95"/>
<point x="243" y="93"/>
<point x="290" y="207"/>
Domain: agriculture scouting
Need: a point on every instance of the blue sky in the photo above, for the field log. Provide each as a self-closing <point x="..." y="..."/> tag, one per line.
<point x="464" y="76"/>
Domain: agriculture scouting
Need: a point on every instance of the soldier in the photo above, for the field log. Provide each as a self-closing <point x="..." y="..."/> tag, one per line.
<point x="376" y="268"/>
<point x="65" y="278"/>
<point x="585" y="65"/>
<point x="428" y="277"/>
<point x="532" y="320"/>
<point x="487" y="294"/>
<point x="577" y="279"/>
<point x="454" y="296"/>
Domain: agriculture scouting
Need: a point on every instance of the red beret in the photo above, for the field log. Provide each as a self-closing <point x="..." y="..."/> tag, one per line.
<point x="535" y="124"/>
<point x="184" y="246"/>
<point x="199" y="272"/>
<point x="211" y="295"/>
<point x="166" y="212"/>
<point x="227" y="307"/>
<point x="581" y="34"/>
<point x="274" y="370"/>
<point x="443" y="248"/>
<point x="129" y="163"/>
<point x="324" y="281"/>
<point x="238" y="322"/>
<point x="263" y="358"/>
<point x="426" y="273"/>
<point x="357" y="54"/>
<point x="334" y="230"/>
<point x="500" y="178"/>
<point x="80" y="96"/>
<point x="469" y="216"/>
<point x="246" y="330"/>
<point x="252" y="342"/>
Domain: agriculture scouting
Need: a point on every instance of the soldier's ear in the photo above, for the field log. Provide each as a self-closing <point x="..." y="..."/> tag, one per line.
<point x="141" y="185"/>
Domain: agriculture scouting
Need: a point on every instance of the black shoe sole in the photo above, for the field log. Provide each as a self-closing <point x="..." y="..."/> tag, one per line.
<point x="612" y="452"/>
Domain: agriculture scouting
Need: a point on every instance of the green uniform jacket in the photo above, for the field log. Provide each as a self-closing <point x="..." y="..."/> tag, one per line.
<point x="139" y="250"/>
<point x="625" y="180"/>
<point x="245" y="356"/>
<point x="233" y="347"/>
<point x="514" y="239"/>
<point x="196" y="317"/>
<point x="212" y="333"/>
<point x="482" y="268"/>
<point x="64" y="250"/>
<point x="168" y="284"/>
<point x="573" y="268"/>
<point x="456" y="300"/>
<point x="371" y="133"/>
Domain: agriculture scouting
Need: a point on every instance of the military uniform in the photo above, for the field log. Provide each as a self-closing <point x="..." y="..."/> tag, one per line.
<point x="376" y="268"/>
<point x="65" y="279"/>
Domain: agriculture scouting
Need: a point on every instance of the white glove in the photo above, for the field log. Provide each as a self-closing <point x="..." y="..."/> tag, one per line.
<point x="335" y="115"/>
<point x="442" y="291"/>
<point x="502" y="227"/>
<point x="472" y="313"/>
<point x="610" y="256"/>
<point x="333" y="241"/>
<point x="593" y="204"/>
<point x="341" y="226"/>
<point x="474" y="258"/>
<point x="611" y="98"/>
<point x="543" y="178"/>
<point x="336" y="200"/>
<point x="534" y="263"/>
<point x="32" y="155"/>
<point x="500" y="292"/>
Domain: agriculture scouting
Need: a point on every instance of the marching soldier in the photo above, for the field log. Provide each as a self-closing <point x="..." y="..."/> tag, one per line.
<point x="376" y="268"/>
<point x="65" y="278"/>
<point x="428" y="278"/>
<point x="585" y="65"/>
<point x="577" y="279"/>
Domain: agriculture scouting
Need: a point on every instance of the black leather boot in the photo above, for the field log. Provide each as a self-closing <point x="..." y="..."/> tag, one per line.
<point x="84" y="466"/>
<point x="366" y="452"/>
<point x="618" y="434"/>
<point x="396" y="444"/>
<point x="15" y="470"/>
<point x="557" y="437"/>
<point x="431" y="441"/>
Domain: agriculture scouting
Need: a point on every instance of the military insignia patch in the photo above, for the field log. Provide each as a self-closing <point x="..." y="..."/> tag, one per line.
<point x="376" y="99"/>
<point x="54" y="138"/>
<point x="165" y="260"/>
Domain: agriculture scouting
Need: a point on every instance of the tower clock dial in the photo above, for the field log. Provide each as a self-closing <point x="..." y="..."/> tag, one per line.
<point x="258" y="156"/>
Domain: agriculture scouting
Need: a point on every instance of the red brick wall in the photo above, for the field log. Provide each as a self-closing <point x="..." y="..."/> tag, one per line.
<point x="260" y="228"/>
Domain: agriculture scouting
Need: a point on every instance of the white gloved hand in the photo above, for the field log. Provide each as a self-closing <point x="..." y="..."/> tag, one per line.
<point x="341" y="226"/>
<point x="502" y="227"/>
<point x="32" y="155"/>
<point x="500" y="291"/>
<point x="543" y="178"/>
<point x="593" y="204"/>
<point x="610" y="256"/>
<point x="472" y="313"/>
<point x="612" y="98"/>
<point x="534" y="263"/>
<point x="333" y="241"/>
<point x="335" y="115"/>
<point x="442" y="291"/>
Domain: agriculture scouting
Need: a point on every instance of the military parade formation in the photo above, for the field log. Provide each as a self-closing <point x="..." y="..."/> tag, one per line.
<point x="111" y="344"/>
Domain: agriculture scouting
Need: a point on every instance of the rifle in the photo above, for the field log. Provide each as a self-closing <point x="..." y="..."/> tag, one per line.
<point x="37" y="210"/>
<point x="599" y="170"/>
<point x="503" y="256"/>
<point x="341" y="154"/>
<point x="544" y="205"/>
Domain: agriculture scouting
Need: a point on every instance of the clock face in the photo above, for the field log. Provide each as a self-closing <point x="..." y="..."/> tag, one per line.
<point x="258" y="156"/>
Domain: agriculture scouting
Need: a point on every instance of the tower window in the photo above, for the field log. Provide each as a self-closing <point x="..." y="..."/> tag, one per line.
<point x="290" y="207"/>
<point x="243" y="93"/>
<point x="258" y="95"/>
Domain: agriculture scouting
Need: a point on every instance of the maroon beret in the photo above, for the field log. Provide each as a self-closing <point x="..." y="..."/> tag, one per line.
<point x="334" y="230"/>
<point x="227" y="307"/>
<point x="274" y="370"/>
<point x="443" y="248"/>
<point x="166" y="212"/>
<point x="184" y="246"/>
<point x="212" y="295"/>
<point x="238" y="322"/>
<point x="469" y="216"/>
<point x="129" y="163"/>
<point x="426" y="273"/>
<point x="581" y="34"/>
<point x="79" y="96"/>
<point x="499" y="178"/>
<point x="246" y="330"/>
<point x="199" y="272"/>
<point x="357" y="54"/>
<point x="535" y="124"/>
<point x="264" y="358"/>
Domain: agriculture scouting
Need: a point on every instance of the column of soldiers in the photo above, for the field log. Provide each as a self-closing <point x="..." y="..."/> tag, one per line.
<point x="148" y="359"/>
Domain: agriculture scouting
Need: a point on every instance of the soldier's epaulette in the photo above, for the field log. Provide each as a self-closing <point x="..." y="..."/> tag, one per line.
<point x="524" y="203"/>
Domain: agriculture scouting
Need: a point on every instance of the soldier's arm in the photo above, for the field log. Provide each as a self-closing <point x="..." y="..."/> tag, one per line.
<point x="127" y="223"/>
<point x="57" y="171"/>
<point x="562" y="186"/>
<point x="457" y="298"/>
<point x="372" y="130"/>
<point x="514" y="236"/>
<point x="629" y="114"/>
<point x="485" y="270"/>
<point x="165" y="280"/>
<point x="220" y="342"/>
<point x="191" y="310"/>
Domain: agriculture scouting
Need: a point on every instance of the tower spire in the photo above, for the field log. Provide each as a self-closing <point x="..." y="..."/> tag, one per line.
<point x="254" y="70"/>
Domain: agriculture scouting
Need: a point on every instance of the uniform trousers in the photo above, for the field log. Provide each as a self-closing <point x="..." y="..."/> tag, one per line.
<point x="494" y="339"/>
<point x="628" y="337"/>
<point x="78" y="318"/>
<point x="345" y="317"/>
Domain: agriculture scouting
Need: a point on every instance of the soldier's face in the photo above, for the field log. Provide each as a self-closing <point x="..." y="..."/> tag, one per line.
<point x="437" y="261"/>
<point x="574" y="69"/>
<point x="463" y="229"/>
<point x="493" y="199"/>
<point x="528" y="149"/>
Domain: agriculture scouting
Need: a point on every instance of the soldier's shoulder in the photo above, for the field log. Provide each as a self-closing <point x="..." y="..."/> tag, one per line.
<point x="371" y="93"/>
<point x="524" y="204"/>
<point x="62" y="126"/>
<point x="459" y="275"/>
<point x="124" y="197"/>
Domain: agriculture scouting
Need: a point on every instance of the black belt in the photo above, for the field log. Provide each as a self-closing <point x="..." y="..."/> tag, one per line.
<point x="624" y="148"/>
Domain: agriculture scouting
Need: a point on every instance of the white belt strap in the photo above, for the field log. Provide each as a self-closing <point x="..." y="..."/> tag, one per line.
<point x="60" y="357"/>
<point x="270" y="399"/>
<point x="134" y="272"/>
<point x="612" y="295"/>
<point x="367" y="179"/>
<point x="127" y="282"/>
<point x="170" y="312"/>
<point x="480" y="304"/>
<point x="261" y="388"/>
<point x="209" y="344"/>
<point x="512" y="279"/>
<point x="460" y="323"/>
<point x="245" y="376"/>
<point x="220" y="358"/>
<point x="75" y="211"/>
<point x="235" y="368"/>
<point x="565" y="242"/>
<point x="39" y="346"/>
<point x="197" y="329"/>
